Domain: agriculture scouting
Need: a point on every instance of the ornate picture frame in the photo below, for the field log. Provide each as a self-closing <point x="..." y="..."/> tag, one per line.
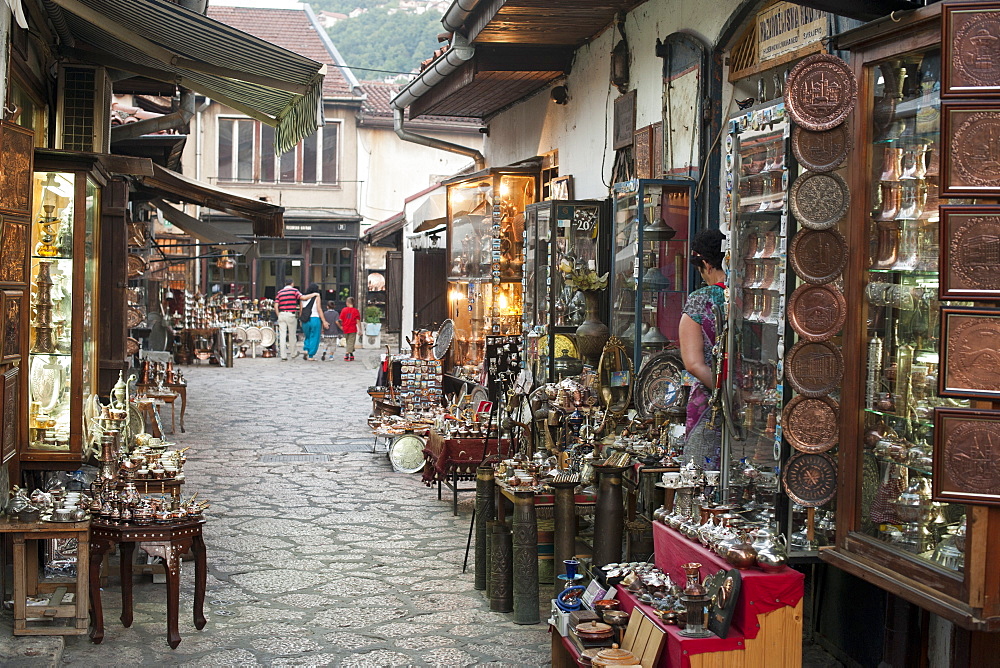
<point x="966" y="456"/>
<point x="969" y="46"/>
<point x="970" y="367"/>
<point x="11" y="313"/>
<point x="970" y="165"/>
<point x="969" y="260"/>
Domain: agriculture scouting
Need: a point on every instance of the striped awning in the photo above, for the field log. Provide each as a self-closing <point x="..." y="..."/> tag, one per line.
<point x="161" y="40"/>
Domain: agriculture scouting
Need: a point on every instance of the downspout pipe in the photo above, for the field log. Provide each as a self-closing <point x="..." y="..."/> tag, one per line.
<point x="176" y="119"/>
<point x="457" y="55"/>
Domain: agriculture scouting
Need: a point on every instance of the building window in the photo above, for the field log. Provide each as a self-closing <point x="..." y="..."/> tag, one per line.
<point x="331" y="269"/>
<point x="246" y="154"/>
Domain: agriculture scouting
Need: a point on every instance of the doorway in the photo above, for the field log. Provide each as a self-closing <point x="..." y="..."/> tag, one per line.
<point x="272" y="272"/>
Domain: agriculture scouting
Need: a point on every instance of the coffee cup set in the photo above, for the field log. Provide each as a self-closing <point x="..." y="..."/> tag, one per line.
<point x="68" y="508"/>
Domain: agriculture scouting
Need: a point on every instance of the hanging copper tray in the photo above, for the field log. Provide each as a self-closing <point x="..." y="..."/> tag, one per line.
<point x="810" y="480"/>
<point x="819" y="200"/>
<point x="134" y="316"/>
<point x="817" y="312"/>
<point x="131" y="346"/>
<point x="658" y="386"/>
<point x="135" y="265"/>
<point x="814" y="368"/>
<point x="818" y="256"/>
<point x="820" y="92"/>
<point x="810" y="423"/>
<point x="821" y="151"/>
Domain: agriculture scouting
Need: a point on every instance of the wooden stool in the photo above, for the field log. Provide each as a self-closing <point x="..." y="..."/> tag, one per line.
<point x="25" y="536"/>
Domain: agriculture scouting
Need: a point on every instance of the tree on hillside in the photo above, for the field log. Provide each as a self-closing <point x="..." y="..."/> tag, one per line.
<point x="381" y="40"/>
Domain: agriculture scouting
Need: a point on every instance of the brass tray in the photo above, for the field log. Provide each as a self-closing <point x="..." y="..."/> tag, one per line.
<point x="658" y="386"/>
<point x="814" y="368"/>
<point x="820" y="92"/>
<point x="819" y="200"/>
<point x="817" y="312"/>
<point x="810" y="424"/>
<point x="135" y="265"/>
<point x="821" y="151"/>
<point x="818" y="256"/>
<point x="810" y="480"/>
<point x="133" y="317"/>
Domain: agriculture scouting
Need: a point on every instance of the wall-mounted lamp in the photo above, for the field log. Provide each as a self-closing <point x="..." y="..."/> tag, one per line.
<point x="560" y="94"/>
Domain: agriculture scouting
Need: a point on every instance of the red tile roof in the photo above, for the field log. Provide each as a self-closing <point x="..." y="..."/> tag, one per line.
<point x="290" y="29"/>
<point x="379" y="94"/>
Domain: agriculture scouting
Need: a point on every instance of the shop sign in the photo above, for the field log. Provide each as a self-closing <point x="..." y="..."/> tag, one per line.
<point x="786" y="27"/>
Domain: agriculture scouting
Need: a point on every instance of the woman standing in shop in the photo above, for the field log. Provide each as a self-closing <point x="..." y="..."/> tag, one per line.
<point x="316" y="323"/>
<point x="700" y="326"/>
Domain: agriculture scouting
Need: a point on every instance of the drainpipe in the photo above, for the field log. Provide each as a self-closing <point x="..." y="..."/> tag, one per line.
<point x="457" y="55"/>
<point x="456" y="14"/>
<point x="148" y="126"/>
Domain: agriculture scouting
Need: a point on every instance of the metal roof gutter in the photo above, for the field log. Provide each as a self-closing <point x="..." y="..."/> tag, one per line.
<point x="458" y="53"/>
<point x="454" y="17"/>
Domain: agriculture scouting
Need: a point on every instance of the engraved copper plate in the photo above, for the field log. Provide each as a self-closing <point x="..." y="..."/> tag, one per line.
<point x="966" y="456"/>
<point x="970" y="353"/>
<point x="818" y="256"/>
<point x="821" y="151"/>
<point x="970" y="252"/>
<point x="13" y="251"/>
<point x="970" y="165"/>
<point x="135" y="265"/>
<point x="819" y="200"/>
<point x="11" y="341"/>
<point x="134" y="316"/>
<point x="820" y="92"/>
<point x="10" y="404"/>
<point x="970" y="50"/>
<point x="814" y="368"/>
<point x="810" y="480"/>
<point x="131" y="346"/>
<point x="817" y="312"/>
<point x="810" y="423"/>
<point x="17" y="144"/>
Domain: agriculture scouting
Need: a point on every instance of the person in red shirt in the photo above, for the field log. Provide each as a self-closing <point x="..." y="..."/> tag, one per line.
<point x="348" y="322"/>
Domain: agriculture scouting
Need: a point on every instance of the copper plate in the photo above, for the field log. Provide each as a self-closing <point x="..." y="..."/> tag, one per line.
<point x="131" y="346"/>
<point x="810" y="423"/>
<point x="135" y="265"/>
<point x="969" y="66"/>
<point x="133" y="316"/>
<point x="819" y="200"/>
<point x="970" y="353"/>
<point x="968" y="167"/>
<point x="810" y="480"/>
<point x="969" y="269"/>
<point x="966" y="456"/>
<point x="820" y="92"/>
<point x="818" y="256"/>
<point x="814" y="368"/>
<point x="821" y="151"/>
<point x="817" y="312"/>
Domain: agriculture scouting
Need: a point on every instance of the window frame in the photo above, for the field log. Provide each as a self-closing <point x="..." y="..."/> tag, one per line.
<point x="296" y="155"/>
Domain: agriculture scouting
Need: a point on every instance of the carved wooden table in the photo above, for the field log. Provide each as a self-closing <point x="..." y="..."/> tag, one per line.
<point x="168" y="541"/>
<point x="178" y="388"/>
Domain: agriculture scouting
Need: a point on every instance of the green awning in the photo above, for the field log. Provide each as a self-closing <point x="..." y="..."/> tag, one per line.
<point x="162" y="40"/>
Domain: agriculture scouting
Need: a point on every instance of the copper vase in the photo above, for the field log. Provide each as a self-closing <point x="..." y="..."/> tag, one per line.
<point x="892" y="164"/>
<point x="890" y="196"/>
<point x="888" y="245"/>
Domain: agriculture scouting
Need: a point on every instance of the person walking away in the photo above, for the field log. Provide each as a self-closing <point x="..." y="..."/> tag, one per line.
<point x="286" y="305"/>
<point x="315" y="323"/>
<point x="331" y="331"/>
<point x="349" y="318"/>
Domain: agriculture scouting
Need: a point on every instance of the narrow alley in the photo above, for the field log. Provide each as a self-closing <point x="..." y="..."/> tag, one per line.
<point x="318" y="552"/>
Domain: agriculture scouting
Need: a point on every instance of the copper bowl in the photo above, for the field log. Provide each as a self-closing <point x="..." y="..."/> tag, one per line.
<point x="615" y="617"/>
<point x="606" y="604"/>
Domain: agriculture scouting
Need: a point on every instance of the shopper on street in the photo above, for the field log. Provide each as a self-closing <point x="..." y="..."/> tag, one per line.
<point x="286" y="304"/>
<point x="316" y="323"/>
<point x="349" y="318"/>
<point x="331" y="331"/>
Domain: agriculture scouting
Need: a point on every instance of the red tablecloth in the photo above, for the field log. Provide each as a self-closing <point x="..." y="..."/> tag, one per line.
<point x="447" y="456"/>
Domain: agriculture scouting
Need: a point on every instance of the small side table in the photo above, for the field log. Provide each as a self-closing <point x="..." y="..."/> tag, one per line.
<point x="25" y="537"/>
<point x="168" y="541"/>
<point x="180" y="389"/>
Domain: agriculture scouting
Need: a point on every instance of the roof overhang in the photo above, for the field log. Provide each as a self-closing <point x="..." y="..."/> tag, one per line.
<point x="432" y="212"/>
<point x="551" y="23"/>
<point x="164" y="150"/>
<point x="267" y="218"/>
<point x="166" y="42"/>
<point x="386" y="228"/>
<point x="206" y="232"/>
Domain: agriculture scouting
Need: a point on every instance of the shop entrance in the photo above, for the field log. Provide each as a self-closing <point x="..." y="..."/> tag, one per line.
<point x="272" y="273"/>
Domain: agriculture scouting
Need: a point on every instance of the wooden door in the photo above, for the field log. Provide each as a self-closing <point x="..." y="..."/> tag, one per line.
<point x="393" y="291"/>
<point x="430" y="288"/>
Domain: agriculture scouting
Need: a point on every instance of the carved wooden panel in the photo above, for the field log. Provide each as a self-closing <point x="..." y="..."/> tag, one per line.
<point x="14" y="240"/>
<point x="8" y="437"/>
<point x="17" y="146"/>
<point x="11" y="312"/>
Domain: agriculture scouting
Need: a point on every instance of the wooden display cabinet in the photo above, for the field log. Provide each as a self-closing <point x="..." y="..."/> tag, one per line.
<point x="60" y="339"/>
<point x="891" y="342"/>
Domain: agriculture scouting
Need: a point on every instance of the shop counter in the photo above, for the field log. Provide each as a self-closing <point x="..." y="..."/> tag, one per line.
<point x="450" y="460"/>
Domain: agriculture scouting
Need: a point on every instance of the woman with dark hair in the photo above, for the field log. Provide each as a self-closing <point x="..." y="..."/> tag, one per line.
<point x="703" y="314"/>
<point x="316" y="323"/>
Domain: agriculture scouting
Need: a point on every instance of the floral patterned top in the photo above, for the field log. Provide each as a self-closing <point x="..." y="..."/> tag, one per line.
<point x="700" y="307"/>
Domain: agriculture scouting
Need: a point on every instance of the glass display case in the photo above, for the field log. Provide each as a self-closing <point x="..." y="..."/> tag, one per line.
<point x="555" y="231"/>
<point x="62" y="357"/>
<point x="649" y="272"/>
<point x="485" y="261"/>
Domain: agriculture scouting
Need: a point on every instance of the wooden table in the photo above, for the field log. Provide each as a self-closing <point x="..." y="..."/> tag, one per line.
<point x="168" y="541"/>
<point x="25" y="536"/>
<point x="450" y="460"/>
<point x="179" y="389"/>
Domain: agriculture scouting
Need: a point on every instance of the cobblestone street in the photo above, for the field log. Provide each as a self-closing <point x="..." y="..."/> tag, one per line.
<point x="318" y="553"/>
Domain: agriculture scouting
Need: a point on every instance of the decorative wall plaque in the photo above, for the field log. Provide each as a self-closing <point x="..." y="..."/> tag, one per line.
<point x="820" y="92"/>
<point x="17" y="145"/>
<point x="642" y="150"/>
<point x="970" y="44"/>
<point x="8" y="445"/>
<point x="810" y="479"/>
<point x="810" y="424"/>
<point x="818" y="256"/>
<point x="970" y="165"/>
<point x="821" y="151"/>
<point x="13" y="251"/>
<point x="624" y="120"/>
<point x="11" y="342"/>
<point x="817" y="312"/>
<point x="814" y="368"/>
<point x="970" y="353"/>
<point x="966" y="456"/>
<point x="819" y="200"/>
<point x="970" y="252"/>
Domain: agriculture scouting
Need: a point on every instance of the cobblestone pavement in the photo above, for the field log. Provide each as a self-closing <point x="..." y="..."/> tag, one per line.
<point x="334" y="561"/>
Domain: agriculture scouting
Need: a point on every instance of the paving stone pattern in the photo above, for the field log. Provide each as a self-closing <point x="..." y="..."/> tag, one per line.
<point x="340" y="561"/>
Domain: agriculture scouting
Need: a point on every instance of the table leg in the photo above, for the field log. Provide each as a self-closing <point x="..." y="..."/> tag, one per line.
<point x="439" y="488"/>
<point x="525" y="527"/>
<point x="20" y="583"/>
<point x="200" y="579"/>
<point x="98" y="548"/>
<point x="184" y="405"/>
<point x="173" y="594"/>
<point x="126" y="553"/>
<point x="454" y="493"/>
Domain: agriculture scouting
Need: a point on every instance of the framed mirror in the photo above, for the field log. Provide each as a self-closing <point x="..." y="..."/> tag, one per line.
<point x="615" y="375"/>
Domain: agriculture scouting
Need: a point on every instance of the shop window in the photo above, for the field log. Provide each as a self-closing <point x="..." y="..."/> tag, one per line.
<point x="331" y="269"/>
<point x="246" y="154"/>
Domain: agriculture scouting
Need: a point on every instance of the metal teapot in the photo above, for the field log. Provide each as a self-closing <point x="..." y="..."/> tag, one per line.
<point x="772" y="551"/>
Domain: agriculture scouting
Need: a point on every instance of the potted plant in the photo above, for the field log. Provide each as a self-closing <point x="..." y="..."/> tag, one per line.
<point x="373" y="321"/>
